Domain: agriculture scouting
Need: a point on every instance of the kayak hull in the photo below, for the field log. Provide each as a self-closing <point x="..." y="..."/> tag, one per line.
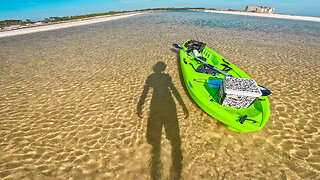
<point x="208" y="98"/>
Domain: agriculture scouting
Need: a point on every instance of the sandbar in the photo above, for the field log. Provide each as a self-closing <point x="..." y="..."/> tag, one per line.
<point x="66" y="24"/>
<point x="280" y="16"/>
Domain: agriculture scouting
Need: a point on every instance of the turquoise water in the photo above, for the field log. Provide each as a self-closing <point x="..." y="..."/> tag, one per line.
<point x="233" y="22"/>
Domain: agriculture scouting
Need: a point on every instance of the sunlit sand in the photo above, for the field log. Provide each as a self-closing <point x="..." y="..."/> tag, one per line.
<point x="69" y="104"/>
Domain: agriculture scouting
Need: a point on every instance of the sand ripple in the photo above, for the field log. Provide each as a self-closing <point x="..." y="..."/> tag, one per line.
<point x="68" y="104"/>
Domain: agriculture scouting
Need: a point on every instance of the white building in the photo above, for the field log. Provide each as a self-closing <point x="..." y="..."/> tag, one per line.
<point x="260" y="9"/>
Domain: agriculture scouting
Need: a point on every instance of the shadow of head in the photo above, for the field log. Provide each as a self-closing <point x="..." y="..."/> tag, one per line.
<point x="159" y="67"/>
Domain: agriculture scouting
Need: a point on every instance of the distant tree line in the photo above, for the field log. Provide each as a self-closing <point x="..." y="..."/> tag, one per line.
<point x="66" y="18"/>
<point x="14" y="22"/>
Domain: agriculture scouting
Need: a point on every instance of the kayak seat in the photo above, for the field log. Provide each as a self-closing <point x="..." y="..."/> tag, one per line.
<point x="204" y="69"/>
<point x="194" y="45"/>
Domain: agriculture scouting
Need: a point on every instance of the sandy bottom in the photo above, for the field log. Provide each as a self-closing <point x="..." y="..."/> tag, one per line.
<point x="69" y="100"/>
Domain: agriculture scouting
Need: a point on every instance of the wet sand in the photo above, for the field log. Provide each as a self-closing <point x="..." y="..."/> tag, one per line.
<point x="69" y="100"/>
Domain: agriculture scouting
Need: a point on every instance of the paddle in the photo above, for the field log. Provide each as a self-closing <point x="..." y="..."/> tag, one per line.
<point x="208" y="65"/>
<point x="265" y="91"/>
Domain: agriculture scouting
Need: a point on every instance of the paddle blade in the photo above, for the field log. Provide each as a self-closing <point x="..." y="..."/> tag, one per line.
<point x="177" y="46"/>
<point x="265" y="91"/>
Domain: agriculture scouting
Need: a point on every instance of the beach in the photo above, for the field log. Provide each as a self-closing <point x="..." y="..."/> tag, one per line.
<point x="66" y="24"/>
<point x="70" y="99"/>
<point x="279" y="16"/>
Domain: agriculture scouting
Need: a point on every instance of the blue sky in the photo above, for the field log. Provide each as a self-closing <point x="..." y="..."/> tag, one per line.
<point x="40" y="9"/>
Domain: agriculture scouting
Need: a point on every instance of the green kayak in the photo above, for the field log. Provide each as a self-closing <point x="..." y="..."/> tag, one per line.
<point x="212" y="81"/>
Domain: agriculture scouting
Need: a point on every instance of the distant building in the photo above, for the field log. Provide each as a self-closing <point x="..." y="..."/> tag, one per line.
<point x="38" y="23"/>
<point x="260" y="9"/>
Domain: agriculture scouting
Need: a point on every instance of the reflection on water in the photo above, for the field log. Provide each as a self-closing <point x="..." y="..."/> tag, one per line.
<point x="163" y="113"/>
<point x="68" y="103"/>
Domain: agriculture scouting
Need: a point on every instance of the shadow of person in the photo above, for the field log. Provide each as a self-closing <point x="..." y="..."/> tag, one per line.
<point x="163" y="113"/>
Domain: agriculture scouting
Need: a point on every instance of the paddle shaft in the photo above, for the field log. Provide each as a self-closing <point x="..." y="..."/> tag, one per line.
<point x="209" y="65"/>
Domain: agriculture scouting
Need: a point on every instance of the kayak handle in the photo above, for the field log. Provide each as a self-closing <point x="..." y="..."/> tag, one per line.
<point x="244" y="118"/>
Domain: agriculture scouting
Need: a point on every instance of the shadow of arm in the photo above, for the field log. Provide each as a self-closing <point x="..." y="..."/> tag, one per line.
<point x="178" y="97"/>
<point x="142" y="100"/>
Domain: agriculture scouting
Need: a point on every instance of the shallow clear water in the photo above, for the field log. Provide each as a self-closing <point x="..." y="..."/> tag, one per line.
<point x="69" y="101"/>
<point x="235" y="22"/>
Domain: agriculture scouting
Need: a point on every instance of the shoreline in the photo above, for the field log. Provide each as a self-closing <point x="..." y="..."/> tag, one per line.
<point x="97" y="19"/>
<point x="279" y="16"/>
<point x="67" y="24"/>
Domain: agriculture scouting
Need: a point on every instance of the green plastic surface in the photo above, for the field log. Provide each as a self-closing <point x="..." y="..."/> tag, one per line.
<point x="202" y="93"/>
